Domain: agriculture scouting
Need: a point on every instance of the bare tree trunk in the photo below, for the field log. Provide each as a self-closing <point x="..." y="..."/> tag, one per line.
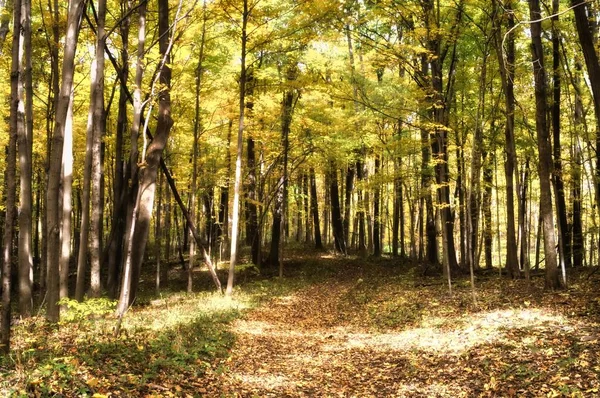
<point x="158" y="234"/>
<point x="10" y="181"/>
<point x="314" y="207"/>
<point x="544" y="147"/>
<point x="507" y="73"/>
<point x="126" y="278"/>
<point x="115" y="248"/>
<point x="98" y="129"/>
<point x="238" y="163"/>
<point x="54" y="175"/>
<point x="195" y="143"/>
<point x="376" y="211"/>
<point x="581" y="10"/>
<point x="564" y="239"/>
<point x="67" y="186"/>
<point x="486" y="204"/>
<point x="25" y="145"/>
<point x="336" y="216"/>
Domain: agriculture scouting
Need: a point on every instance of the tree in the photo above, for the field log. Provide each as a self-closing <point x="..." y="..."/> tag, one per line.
<point x="10" y="179"/>
<point x="543" y="142"/>
<point x="25" y="145"/>
<point x="235" y="220"/>
<point x="54" y="175"/>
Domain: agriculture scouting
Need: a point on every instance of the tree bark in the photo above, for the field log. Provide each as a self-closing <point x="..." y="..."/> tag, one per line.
<point x="25" y="145"/>
<point x="376" y="210"/>
<point x="588" y="47"/>
<point x="336" y="215"/>
<point x="10" y="182"/>
<point x="98" y="131"/>
<point x="115" y="244"/>
<point x="507" y="74"/>
<point x="54" y="175"/>
<point x="314" y="207"/>
<point x="238" y="163"/>
<point x="564" y="239"/>
<point x="544" y="147"/>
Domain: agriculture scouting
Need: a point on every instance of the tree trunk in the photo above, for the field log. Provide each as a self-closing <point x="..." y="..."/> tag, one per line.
<point x="336" y="216"/>
<point x="98" y="129"/>
<point x="54" y="175"/>
<point x="132" y="170"/>
<point x="507" y="73"/>
<point x="486" y="204"/>
<point x="588" y="46"/>
<point x="195" y="143"/>
<point x="544" y="147"/>
<point x="314" y="208"/>
<point x="67" y="186"/>
<point x="149" y="168"/>
<point x="25" y="144"/>
<point x="524" y="253"/>
<point x="564" y="239"/>
<point x="376" y="211"/>
<point x="238" y="162"/>
<point x="576" y="180"/>
<point x="360" y="212"/>
<point x="115" y="244"/>
<point x="10" y="182"/>
<point x="474" y="194"/>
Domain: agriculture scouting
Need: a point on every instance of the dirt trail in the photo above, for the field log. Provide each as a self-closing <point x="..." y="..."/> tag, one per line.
<point x="317" y="342"/>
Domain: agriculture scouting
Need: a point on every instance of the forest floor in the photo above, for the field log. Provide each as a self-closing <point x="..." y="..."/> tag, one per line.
<point x="332" y="327"/>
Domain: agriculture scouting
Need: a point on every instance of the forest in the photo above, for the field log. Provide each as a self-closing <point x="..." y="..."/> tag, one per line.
<point x="300" y="198"/>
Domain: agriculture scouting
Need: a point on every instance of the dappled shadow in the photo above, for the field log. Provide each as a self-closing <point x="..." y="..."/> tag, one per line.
<point x="318" y="343"/>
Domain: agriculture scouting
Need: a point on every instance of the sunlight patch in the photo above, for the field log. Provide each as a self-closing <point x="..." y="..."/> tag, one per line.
<point x="265" y="381"/>
<point x="478" y="329"/>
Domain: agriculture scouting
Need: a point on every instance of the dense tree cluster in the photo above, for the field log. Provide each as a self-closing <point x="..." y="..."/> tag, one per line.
<point x="462" y="134"/>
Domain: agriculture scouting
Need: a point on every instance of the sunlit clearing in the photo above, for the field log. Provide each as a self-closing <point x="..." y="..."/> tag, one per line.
<point x="265" y="380"/>
<point x="181" y="308"/>
<point x="477" y="329"/>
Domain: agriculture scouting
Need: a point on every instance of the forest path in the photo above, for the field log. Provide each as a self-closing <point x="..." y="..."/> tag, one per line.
<point x="380" y="334"/>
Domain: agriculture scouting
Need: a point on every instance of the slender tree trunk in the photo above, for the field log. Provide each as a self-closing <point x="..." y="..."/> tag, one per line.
<point x="585" y="29"/>
<point x="524" y="253"/>
<point x="67" y="186"/>
<point x="306" y="207"/>
<point x="360" y="212"/>
<point x="158" y="234"/>
<point x="10" y="182"/>
<point x="476" y="159"/>
<point x="98" y="129"/>
<point x="507" y="73"/>
<point x="398" y="234"/>
<point x="148" y="172"/>
<point x="238" y="163"/>
<point x="564" y="239"/>
<point x="54" y="175"/>
<point x="336" y="216"/>
<point x="376" y="211"/>
<point x="115" y="248"/>
<point x="486" y="204"/>
<point x="197" y="127"/>
<point x="25" y="145"/>
<point x="289" y="99"/>
<point x="314" y="207"/>
<point x="253" y="229"/>
<point x="544" y="147"/>
<point x="576" y="181"/>
<point x="126" y="277"/>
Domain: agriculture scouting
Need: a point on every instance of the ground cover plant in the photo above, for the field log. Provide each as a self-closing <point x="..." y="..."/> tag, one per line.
<point x="335" y="326"/>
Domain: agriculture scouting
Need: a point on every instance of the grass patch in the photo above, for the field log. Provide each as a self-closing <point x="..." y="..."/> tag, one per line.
<point x="166" y="345"/>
